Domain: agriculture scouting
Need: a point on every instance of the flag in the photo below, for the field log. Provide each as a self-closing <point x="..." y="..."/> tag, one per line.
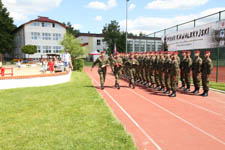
<point x="115" y="50"/>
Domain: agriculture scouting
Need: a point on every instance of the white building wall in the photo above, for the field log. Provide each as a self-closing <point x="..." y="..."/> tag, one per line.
<point x="24" y="37"/>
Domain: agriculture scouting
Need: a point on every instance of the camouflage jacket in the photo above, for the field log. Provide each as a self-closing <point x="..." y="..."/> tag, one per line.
<point x="101" y="62"/>
<point x="207" y="66"/>
<point x="197" y="64"/>
<point x="187" y="64"/>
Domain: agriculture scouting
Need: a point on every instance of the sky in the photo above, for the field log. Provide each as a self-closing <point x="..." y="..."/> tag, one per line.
<point x="144" y="16"/>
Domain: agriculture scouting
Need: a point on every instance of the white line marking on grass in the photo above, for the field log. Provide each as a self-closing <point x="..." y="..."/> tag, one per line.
<point x="200" y="107"/>
<point x="180" y="118"/>
<point x="132" y="120"/>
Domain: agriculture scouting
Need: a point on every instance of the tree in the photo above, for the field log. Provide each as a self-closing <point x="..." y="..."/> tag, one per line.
<point x="112" y="35"/>
<point x="29" y="49"/>
<point x="71" y="29"/>
<point x="73" y="45"/>
<point x="6" y="31"/>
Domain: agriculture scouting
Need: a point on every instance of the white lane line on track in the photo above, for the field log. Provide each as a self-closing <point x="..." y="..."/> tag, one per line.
<point x="197" y="106"/>
<point x="200" y="107"/>
<point x="128" y="115"/>
<point x="180" y="118"/>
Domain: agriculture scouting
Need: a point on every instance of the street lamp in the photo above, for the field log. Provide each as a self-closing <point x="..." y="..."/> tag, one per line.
<point x="126" y="21"/>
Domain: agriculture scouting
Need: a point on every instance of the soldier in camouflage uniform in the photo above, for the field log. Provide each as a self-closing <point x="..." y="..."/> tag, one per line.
<point x="117" y="65"/>
<point x="174" y="71"/>
<point x="161" y="70"/>
<point x="206" y="70"/>
<point x="151" y="69"/>
<point x="178" y="61"/>
<point x="102" y="62"/>
<point x="187" y="68"/>
<point x="131" y="63"/>
<point x="196" y="72"/>
<point x="147" y="61"/>
<point x="166" y="69"/>
<point x="182" y="70"/>
<point x="156" y="71"/>
<point x="111" y="62"/>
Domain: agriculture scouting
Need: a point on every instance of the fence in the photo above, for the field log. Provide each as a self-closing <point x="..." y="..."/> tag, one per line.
<point x="217" y="54"/>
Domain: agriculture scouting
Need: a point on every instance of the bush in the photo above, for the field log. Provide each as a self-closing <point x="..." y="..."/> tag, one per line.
<point x="78" y="64"/>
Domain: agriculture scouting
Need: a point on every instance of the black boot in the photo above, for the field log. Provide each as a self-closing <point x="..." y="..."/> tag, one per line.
<point x="167" y="92"/>
<point x="196" y="92"/>
<point x="173" y="94"/>
<point x="102" y="86"/>
<point x="204" y="94"/>
<point x="118" y="86"/>
<point x="193" y="91"/>
<point x="162" y="89"/>
<point x="152" y="85"/>
<point x="129" y="84"/>
<point x="133" y="85"/>
<point x="187" y="89"/>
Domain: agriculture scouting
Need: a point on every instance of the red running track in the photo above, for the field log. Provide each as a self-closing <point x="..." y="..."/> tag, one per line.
<point x="157" y="122"/>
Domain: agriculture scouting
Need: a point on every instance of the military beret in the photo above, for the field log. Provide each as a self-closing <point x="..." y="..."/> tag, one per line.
<point x="207" y="52"/>
<point x="197" y="51"/>
<point x="102" y="52"/>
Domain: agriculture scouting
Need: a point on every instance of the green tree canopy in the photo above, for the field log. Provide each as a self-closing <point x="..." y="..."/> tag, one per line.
<point x="29" y="49"/>
<point x="112" y="35"/>
<point x="6" y="29"/>
<point x="71" y="29"/>
<point x="73" y="45"/>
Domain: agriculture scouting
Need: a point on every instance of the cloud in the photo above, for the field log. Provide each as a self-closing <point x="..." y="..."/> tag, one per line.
<point x="175" y="4"/>
<point x="131" y="6"/>
<point x="77" y="26"/>
<point x="98" y="18"/>
<point x="101" y="5"/>
<point x="21" y="9"/>
<point x="149" y="25"/>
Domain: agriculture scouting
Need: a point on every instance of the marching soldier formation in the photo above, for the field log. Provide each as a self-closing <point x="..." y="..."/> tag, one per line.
<point x="159" y="70"/>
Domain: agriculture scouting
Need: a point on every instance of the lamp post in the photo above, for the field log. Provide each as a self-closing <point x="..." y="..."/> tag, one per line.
<point x="126" y="21"/>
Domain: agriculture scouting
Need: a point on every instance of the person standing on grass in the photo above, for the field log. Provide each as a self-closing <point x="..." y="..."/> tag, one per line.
<point x="117" y="67"/>
<point x="206" y="70"/>
<point x="196" y="70"/>
<point x="102" y="62"/>
<point x="66" y="59"/>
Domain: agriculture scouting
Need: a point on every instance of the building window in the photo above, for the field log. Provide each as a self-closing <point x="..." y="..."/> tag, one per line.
<point x="142" y="46"/>
<point x="45" y="24"/>
<point x="46" y="36"/>
<point x="53" y="25"/>
<point x="39" y="49"/>
<point x="35" y="36"/>
<point x="57" y="49"/>
<point x="47" y="49"/>
<point x="98" y="42"/>
<point x="36" y="24"/>
<point x="129" y="46"/>
<point x="56" y="36"/>
<point x="148" y="46"/>
<point x="136" y="46"/>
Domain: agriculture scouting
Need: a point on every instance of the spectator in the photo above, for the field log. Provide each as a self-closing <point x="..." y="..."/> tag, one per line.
<point x="44" y="65"/>
<point x="51" y="65"/>
<point x="66" y="59"/>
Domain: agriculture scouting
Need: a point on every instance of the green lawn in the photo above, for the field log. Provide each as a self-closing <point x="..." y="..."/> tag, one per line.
<point x="88" y="63"/>
<point x="218" y="86"/>
<point x="70" y="116"/>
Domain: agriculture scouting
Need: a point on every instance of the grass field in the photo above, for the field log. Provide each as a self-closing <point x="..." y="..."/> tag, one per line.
<point x="70" y="116"/>
<point x="218" y="86"/>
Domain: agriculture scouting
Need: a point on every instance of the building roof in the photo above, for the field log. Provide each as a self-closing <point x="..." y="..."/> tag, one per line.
<point x="41" y="19"/>
<point x="129" y="37"/>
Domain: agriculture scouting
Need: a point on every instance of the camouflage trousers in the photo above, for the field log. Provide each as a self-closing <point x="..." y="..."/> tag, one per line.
<point x="167" y="81"/>
<point x="102" y="74"/>
<point x="152" y="79"/>
<point x="196" y="80"/>
<point x="162" y="79"/>
<point x="132" y="73"/>
<point x="188" y="79"/>
<point x="117" y="74"/>
<point x="182" y="77"/>
<point x="173" y="80"/>
<point x="156" y="75"/>
<point x="205" y="82"/>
